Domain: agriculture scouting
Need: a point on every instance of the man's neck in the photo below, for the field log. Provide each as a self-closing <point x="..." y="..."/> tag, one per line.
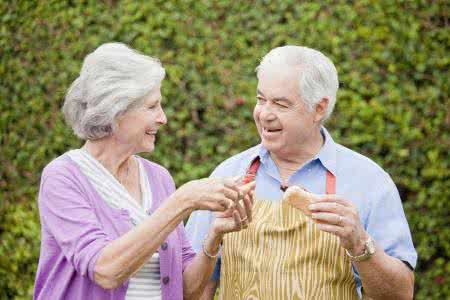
<point x="289" y="163"/>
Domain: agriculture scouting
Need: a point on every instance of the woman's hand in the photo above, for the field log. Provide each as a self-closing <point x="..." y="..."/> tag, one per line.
<point x="238" y="217"/>
<point x="209" y="194"/>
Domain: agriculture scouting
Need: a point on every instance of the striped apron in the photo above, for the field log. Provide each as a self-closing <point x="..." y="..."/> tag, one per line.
<point x="282" y="255"/>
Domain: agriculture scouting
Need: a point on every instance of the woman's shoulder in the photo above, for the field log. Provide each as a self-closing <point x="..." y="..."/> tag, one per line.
<point x="60" y="165"/>
<point x="61" y="174"/>
<point x="155" y="170"/>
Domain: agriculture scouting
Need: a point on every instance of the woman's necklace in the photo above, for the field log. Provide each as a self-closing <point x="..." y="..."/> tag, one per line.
<point x="127" y="172"/>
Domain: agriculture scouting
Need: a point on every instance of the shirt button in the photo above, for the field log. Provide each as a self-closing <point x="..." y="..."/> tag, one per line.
<point x="164" y="246"/>
<point x="166" y="280"/>
<point x="148" y="211"/>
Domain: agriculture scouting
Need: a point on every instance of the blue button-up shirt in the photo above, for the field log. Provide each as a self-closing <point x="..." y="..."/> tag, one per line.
<point x="358" y="179"/>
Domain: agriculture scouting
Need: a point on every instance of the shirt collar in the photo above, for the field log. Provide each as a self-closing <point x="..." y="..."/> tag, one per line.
<point x="326" y="155"/>
<point x="263" y="154"/>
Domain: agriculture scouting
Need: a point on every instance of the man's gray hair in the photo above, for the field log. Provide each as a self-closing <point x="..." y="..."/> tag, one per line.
<point x="112" y="79"/>
<point x="317" y="74"/>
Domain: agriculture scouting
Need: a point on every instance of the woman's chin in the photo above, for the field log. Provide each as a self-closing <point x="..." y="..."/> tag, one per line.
<point x="147" y="148"/>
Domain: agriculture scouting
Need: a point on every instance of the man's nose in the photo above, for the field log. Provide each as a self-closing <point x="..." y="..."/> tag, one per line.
<point x="267" y="113"/>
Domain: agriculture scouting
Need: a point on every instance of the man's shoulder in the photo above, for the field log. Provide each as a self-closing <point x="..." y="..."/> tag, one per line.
<point x="235" y="164"/>
<point x="357" y="164"/>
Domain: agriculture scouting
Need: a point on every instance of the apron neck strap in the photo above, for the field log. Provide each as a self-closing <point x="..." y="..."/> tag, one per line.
<point x="254" y="166"/>
<point x="331" y="183"/>
<point x="251" y="171"/>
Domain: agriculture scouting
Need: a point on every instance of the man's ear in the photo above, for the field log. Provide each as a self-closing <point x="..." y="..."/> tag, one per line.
<point x="321" y="109"/>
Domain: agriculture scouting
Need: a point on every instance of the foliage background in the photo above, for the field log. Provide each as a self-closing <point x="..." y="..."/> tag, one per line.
<point x="393" y="106"/>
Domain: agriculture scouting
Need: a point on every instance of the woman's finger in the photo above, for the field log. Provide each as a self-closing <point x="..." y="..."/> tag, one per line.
<point x="246" y="188"/>
<point x="231" y="183"/>
<point x="225" y="202"/>
<point x="231" y="194"/>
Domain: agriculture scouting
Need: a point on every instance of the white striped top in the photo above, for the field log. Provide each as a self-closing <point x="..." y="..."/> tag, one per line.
<point x="144" y="284"/>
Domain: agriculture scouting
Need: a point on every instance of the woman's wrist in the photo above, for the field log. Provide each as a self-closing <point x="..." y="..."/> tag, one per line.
<point x="180" y="202"/>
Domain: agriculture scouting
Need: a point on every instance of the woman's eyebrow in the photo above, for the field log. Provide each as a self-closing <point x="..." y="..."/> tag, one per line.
<point x="258" y="92"/>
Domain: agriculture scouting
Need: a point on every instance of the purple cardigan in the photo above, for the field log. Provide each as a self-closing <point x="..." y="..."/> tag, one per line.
<point x="77" y="223"/>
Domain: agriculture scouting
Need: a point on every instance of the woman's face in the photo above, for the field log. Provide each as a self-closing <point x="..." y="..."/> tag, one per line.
<point x="137" y="127"/>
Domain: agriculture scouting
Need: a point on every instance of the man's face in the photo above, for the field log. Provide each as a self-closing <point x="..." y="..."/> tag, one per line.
<point x="284" y="122"/>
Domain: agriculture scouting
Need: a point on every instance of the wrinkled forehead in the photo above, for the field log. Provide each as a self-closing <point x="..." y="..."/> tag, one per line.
<point x="279" y="81"/>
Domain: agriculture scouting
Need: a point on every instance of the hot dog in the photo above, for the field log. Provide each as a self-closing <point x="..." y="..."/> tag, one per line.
<point x="299" y="198"/>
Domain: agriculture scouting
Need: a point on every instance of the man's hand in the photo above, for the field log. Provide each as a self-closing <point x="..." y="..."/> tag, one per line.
<point x="338" y="216"/>
<point x="238" y="217"/>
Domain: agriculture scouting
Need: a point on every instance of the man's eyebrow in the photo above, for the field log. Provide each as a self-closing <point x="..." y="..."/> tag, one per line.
<point x="277" y="99"/>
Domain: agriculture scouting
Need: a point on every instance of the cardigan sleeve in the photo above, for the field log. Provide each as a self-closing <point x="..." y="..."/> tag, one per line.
<point x="188" y="253"/>
<point x="70" y="219"/>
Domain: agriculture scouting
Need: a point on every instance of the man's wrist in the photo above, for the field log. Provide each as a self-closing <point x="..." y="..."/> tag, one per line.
<point x="211" y="245"/>
<point x="368" y="252"/>
<point x="360" y="247"/>
<point x="214" y="236"/>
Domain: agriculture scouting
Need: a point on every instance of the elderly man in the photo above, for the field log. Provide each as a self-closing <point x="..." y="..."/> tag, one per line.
<point x="356" y="243"/>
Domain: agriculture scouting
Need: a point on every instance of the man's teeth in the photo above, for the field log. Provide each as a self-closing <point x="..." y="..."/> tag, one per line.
<point x="272" y="130"/>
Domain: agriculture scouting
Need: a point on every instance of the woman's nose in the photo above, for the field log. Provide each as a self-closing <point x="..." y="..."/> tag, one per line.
<point x="162" y="118"/>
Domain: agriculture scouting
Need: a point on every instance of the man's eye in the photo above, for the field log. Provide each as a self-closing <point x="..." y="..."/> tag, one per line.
<point x="282" y="105"/>
<point x="260" y="100"/>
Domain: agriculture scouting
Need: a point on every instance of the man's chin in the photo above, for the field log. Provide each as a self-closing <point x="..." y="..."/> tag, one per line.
<point x="271" y="146"/>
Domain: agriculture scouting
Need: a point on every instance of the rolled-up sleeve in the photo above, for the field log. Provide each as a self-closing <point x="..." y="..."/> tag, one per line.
<point x="70" y="219"/>
<point x="388" y="226"/>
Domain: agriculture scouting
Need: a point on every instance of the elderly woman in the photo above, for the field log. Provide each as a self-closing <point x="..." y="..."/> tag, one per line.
<point x="111" y="220"/>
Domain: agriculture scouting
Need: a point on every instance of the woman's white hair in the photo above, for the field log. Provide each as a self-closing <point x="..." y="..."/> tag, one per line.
<point x="317" y="74"/>
<point x="113" y="79"/>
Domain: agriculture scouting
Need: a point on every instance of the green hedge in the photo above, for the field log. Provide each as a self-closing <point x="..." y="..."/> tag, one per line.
<point x="393" y="105"/>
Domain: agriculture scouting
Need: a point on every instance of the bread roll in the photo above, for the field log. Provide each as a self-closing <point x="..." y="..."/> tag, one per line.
<point x="299" y="198"/>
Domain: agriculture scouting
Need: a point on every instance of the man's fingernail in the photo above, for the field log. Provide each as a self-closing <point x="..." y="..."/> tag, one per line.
<point x="312" y="206"/>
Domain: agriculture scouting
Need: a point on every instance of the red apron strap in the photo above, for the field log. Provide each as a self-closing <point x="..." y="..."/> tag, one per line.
<point x="254" y="166"/>
<point x="331" y="183"/>
<point x="251" y="171"/>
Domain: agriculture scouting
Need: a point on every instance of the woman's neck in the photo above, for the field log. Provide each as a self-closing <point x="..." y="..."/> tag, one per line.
<point x="116" y="158"/>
